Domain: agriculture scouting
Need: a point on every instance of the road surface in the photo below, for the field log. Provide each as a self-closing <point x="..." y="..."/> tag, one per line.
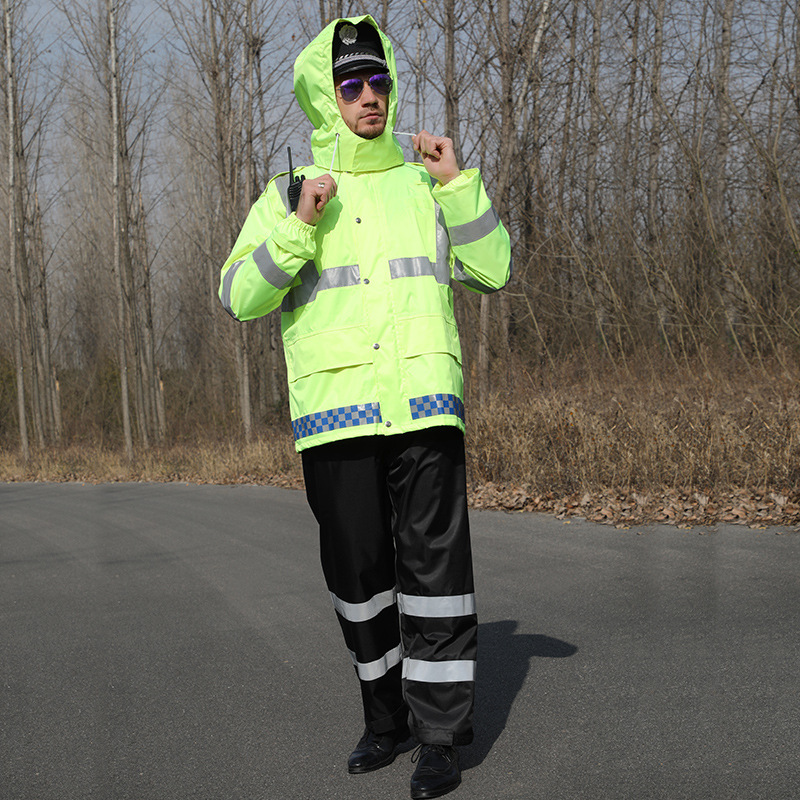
<point x="162" y="642"/>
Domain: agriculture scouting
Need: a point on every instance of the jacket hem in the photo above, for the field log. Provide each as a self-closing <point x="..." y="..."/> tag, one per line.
<point x="379" y="429"/>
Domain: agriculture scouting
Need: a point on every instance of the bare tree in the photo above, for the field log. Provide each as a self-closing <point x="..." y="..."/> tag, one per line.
<point x="14" y="228"/>
<point x="37" y="388"/>
<point x="98" y="34"/>
<point x="226" y="44"/>
<point x="644" y="155"/>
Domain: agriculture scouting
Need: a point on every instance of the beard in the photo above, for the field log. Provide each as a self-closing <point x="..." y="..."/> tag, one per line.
<point x="372" y="131"/>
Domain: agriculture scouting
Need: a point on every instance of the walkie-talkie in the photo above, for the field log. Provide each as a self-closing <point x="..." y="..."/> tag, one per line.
<point x="295" y="185"/>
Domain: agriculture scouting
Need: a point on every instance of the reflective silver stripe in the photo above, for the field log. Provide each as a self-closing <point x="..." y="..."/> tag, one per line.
<point x="298" y="295"/>
<point x="456" y="605"/>
<point x="282" y="184"/>
<point x="477" y="229"/>
<point x="438" y="671"/>
<point x="416" y="267"/>
<point x="269" y="270"/>
<point x="337" y="277"/>
<point x="312" y="282"/>
<point x="410" y="267"/>
<point x="442" y="248"/>
<point x="227" y="285"/>
<point x="361" y="612"/>
<point x="420" y="265"/>
<point x="373" y="670"/>
<point x="462" y="277"/>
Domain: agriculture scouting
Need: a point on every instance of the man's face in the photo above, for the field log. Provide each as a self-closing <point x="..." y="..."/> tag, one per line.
<point x="365" y="116"/>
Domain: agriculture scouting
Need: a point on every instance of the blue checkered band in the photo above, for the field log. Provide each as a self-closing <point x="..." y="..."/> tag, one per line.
<point x="335" y="418"/>
<point x="432" y="404"/>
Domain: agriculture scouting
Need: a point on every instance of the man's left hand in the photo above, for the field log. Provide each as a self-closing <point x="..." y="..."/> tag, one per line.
<point x="438" y="156"/>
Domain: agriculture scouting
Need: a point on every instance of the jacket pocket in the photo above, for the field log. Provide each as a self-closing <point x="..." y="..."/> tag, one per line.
<point x="428" y="334"/>
<point x="328" y="350"/>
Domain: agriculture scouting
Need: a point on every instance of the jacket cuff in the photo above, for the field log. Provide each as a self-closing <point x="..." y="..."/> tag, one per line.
<point x="466" y="177"/>
<point x="463" y="199"/>
<point x="295" y="236"/>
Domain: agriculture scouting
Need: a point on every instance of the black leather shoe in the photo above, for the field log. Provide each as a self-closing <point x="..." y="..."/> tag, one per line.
<point x="376" y="750"/>
<point x="437" y="771"/>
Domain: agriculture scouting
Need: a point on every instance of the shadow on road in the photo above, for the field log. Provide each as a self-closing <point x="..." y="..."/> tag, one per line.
<point x="503" y="663"/>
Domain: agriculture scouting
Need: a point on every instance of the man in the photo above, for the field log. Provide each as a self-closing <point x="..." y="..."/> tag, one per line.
<point x="361" y="271"/>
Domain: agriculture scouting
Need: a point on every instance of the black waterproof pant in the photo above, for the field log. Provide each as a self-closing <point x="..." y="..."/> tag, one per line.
<point x="395" y="550"/>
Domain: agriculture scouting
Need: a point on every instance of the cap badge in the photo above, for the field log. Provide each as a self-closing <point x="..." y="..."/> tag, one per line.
<point x="348" y="34"/>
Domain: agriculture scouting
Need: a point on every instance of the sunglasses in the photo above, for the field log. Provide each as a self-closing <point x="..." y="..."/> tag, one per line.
<point x="351" y="88"/>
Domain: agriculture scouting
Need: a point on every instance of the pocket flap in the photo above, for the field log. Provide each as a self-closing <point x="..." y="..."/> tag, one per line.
<point x="328" y="350"/>
<point x="429" y="334"/>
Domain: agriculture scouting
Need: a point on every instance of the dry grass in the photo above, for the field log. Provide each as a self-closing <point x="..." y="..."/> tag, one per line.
<point x="634" y="448"/>
<point x="565" y="443"/>
<point x="269" y="460"/>
<point x="622" y="450"/>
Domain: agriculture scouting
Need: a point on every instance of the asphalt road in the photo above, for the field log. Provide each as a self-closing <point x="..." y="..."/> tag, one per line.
<point x="162" y="642"/>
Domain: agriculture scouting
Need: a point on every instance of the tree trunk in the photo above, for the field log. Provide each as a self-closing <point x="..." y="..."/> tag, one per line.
<point x="654" y="150"/>
<point x="593" y="142"/>
<point x="13" y="234"/>
<point x="657" y="282"/>
<point x="629" y="148"/>
<point x="154" y="403"/>
<point x="597" y="289"/>
<point x="796" y="82"/>
<point x="118" y="228"/>
<point x="451" y="91"/>
<point x="722" y="66"/>
<point x="50" y="397"/>
<point x="35" y="381"/>
<point x="506" y="149"/>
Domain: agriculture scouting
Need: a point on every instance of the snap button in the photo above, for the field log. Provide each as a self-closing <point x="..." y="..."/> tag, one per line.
<point x="366" y="280"/>
<point x="376" y="346"/>
<point x="388" y="424"/>
<point x="358" y="219"/>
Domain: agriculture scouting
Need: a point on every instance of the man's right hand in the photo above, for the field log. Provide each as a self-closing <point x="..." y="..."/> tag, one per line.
<point x="314" y="196"/>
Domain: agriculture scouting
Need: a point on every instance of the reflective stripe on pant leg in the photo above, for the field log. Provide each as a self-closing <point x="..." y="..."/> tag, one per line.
<point x="435" y="587"/>
<point x="348" y="497"/>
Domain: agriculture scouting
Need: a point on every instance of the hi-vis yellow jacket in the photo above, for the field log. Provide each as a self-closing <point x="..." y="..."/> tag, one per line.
<point x="366" y="305"/>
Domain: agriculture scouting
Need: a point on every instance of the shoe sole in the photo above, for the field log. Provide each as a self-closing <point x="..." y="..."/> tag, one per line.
<point x="379" y="765"/>
<point x="403" y="747"/>
<point x="437" y="793"/>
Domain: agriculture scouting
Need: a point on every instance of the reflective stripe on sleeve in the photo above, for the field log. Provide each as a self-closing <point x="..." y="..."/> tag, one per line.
<point x="438" y="671"/>
<point x="373" y="670"/>
<point x="462" y="277"/>
<point x="361" y="612"/>
<point x="282" y="184"/>
<point x="457" y="605"/>
<point x="472" y="231"/>
<point x="442" y="248"/>
<point x="227" y="285"/>
<point x="269" y="270"/>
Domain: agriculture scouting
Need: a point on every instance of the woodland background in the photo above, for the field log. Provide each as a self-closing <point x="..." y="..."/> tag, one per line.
<point x="643" y="362"/>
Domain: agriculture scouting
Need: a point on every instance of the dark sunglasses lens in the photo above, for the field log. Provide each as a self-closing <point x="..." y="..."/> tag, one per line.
<point x="351" y="89"/>
<point x="381" y="84"/>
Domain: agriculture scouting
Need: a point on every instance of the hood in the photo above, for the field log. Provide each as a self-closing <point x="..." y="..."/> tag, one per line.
<point x="313" y="88"/>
